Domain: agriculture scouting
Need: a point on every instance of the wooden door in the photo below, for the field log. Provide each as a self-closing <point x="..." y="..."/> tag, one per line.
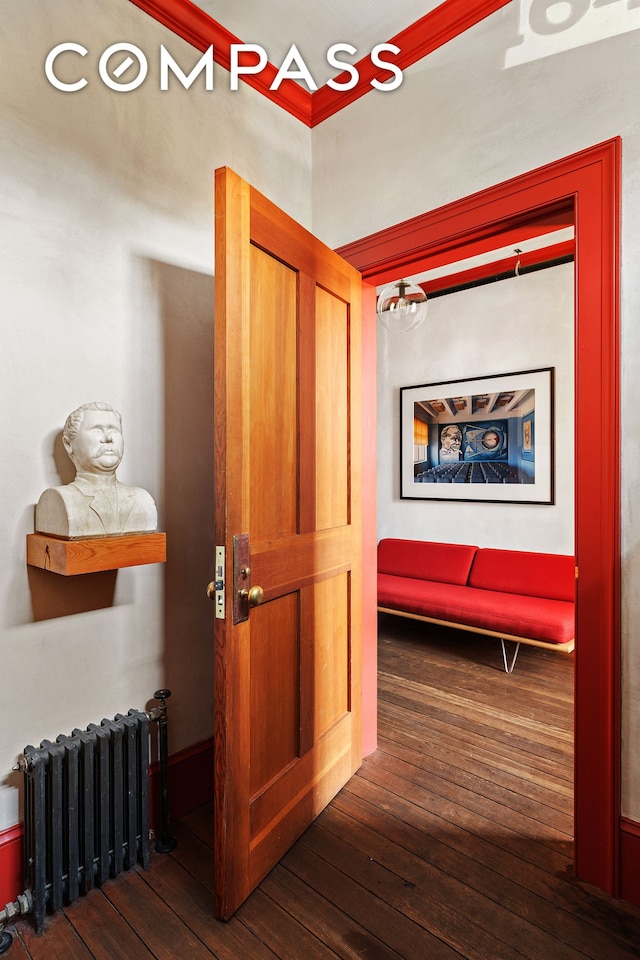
<point x="288" y="479"/>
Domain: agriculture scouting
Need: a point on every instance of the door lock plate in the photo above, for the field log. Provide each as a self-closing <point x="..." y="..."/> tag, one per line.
<point x="241" y="577"/>
<point x="218" y="583"/>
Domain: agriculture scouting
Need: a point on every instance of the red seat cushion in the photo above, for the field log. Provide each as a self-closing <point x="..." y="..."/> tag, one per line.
<point x="536" y="618"/>
<point x="547" y="575"/>
<point x="426" y="560"/>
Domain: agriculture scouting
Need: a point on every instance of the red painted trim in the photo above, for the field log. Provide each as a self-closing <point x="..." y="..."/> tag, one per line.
<point x="497" y="267"/>
<point x="453" y="232"/>
<point x="369" y="527"/>
<point x="190" y="787"/>
<point x="598" y="519"/>
<point x="424" y="36"/>
<point x="450" y="249"/>
<point x="588" y="182"/>
<point x="630" y="860"/>
<point x="10" y="864"/>
<point x="202" y="31"/>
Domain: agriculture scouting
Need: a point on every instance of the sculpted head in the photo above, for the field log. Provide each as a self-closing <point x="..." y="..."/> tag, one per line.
<point x="92" y="436"/>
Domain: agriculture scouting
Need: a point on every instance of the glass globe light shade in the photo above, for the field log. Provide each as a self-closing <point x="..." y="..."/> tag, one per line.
<point x="402" y="306"/>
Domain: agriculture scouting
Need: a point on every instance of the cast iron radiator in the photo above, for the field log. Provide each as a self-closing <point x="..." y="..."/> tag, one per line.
<point x="86" y="809"/>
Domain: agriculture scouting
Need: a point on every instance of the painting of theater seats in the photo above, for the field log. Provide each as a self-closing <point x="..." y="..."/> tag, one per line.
<point x="485" y="438"/>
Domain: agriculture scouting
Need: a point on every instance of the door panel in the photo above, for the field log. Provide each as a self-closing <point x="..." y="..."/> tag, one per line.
<point x="273" y="402"/>
<point x="274" y="689"/>
<point x="330" y="652"/>
<point x="332" y="405"/>
<point x="288" y="422"/>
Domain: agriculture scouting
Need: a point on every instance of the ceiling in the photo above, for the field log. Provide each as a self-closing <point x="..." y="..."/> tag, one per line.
<point x="314" y="27"/>
<point x="417" y="27"/>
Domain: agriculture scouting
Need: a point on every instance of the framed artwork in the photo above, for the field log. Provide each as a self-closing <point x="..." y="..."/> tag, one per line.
<point x="488" y="439"/>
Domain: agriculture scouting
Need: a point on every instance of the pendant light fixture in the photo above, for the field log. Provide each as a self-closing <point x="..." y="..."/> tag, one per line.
<point x="402" y="306"/>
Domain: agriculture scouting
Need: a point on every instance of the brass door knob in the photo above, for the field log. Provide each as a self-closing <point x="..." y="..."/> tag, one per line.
<point x="255" y="596"/>
<point x="211" y="590"/>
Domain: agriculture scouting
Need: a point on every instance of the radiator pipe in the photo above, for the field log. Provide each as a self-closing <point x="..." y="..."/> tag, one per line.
<point x="21" y="906"/>
<point x="166" y="843"/>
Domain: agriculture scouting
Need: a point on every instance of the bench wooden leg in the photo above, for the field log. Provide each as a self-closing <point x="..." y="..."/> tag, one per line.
<point x="509" y="666"/>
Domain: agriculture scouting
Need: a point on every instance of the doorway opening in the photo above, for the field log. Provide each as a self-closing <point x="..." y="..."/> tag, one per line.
<point x="589" y="183"/>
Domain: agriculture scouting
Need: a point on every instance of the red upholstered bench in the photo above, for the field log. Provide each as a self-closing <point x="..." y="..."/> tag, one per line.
<point x="509" y="594"/>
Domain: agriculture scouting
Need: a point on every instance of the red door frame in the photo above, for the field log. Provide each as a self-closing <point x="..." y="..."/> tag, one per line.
<point x="588" y="181"/>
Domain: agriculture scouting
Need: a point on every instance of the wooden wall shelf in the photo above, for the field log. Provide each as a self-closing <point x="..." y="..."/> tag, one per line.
<point x="93" y="554"/>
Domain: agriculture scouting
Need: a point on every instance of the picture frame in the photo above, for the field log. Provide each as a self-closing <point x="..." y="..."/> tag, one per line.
<point x="487" y="439"/>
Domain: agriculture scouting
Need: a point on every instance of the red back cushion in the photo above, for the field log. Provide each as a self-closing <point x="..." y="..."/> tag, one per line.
<point x="548" y="575"/>
<point x="425" y="560"/>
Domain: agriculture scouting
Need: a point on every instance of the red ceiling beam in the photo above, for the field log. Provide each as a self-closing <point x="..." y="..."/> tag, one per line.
<point x="499" y="268"/>
<point x="509" y="236"/>
<point x="421" y="243"/>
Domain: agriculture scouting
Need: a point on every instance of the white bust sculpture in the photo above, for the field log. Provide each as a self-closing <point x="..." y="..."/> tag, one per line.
<point x="95" y="504"/>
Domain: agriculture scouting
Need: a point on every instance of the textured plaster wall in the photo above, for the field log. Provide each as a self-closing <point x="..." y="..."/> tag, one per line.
<point x="107" y="283"/>
<point x="106" y="251"/>
<point x="461" y="122"/>
<point x="525" y="323"/>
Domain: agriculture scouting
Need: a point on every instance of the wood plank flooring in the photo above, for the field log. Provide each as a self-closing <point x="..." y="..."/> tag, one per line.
<point x="454" y="840"/>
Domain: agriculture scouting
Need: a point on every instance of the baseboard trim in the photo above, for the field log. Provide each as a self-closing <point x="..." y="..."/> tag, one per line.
<point x="630" y="860"/>
<point x="190" y="787"/>
<point x="190" y="781"/>
<point x="10" y="864"/>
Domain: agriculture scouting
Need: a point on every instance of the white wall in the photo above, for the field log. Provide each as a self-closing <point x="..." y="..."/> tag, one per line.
<point x="525" y="323"/>
<point x="106" y="252"/>
<point x="472" y="124"/>
<point x="107" y="260"/>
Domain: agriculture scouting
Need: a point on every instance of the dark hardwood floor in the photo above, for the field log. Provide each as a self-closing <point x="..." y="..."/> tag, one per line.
<point x="453" y="840"/>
